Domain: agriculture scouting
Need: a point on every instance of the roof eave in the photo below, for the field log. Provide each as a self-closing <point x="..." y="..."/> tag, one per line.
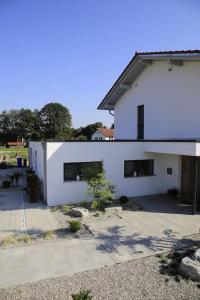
<point x="135" y="67"/>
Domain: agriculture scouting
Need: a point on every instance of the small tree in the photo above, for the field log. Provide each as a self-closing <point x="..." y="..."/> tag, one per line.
<point x="100" y="189"/>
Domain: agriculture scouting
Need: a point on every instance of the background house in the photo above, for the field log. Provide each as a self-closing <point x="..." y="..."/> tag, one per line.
<point x="104" y="134"/>
<point x="156" y="147"/>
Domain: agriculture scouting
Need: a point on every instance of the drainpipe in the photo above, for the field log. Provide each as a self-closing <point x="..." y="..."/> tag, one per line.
<point x="112" y="114"/>
<point x="194" y="208"/>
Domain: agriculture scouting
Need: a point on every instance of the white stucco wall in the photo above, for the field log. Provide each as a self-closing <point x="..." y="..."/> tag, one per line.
<point x="112" y="154"/>
<point x="98" y="135"/>
<point x="171" y="103"/>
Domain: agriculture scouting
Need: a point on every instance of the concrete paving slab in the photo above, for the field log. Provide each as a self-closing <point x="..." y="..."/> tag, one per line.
<point x="18" y="216"/>
<point x="26" y="264"/>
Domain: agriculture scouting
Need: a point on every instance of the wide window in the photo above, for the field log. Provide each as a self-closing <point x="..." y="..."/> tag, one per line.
<point x="80" y="170"/>
<point x="137" y="168"/>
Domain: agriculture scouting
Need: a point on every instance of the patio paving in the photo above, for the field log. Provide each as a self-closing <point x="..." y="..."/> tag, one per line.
<point x="120" y="237"/>
<point x="50" y="259"/>
<point x="18" y="216"/>
<point x="134" y="234"/>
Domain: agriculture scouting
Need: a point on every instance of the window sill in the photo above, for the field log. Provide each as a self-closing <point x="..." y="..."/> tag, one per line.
<point x="74" y="181"/>
<point x="142" y="176"/>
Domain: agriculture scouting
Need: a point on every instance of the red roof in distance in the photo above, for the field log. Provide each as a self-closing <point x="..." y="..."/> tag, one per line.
<point x="106" y="132"/>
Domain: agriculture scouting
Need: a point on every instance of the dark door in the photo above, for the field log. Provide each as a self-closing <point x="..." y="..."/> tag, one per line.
<point x="140" y="119"/>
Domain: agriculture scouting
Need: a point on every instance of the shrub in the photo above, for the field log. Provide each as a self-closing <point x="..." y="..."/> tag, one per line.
<point x="97" y="214"/>
<point x="173" y="192"/>
<point x="101" y="190"/>
<point x="47" y="235"/>
<point x="96" y="204"/>
<point x="82" y="295"/>
<point x="25" y="238"/>
<point x="75" y="225"/>
<point x="9" y="240"/>
<point x="6" y="184"/>
<point x="66" y="208"/>
<point x="55" y="208"/>
<point x="123" y="199"/>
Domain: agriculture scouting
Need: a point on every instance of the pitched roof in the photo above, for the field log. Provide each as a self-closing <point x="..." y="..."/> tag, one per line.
<point x="136" y="66"/>
<point x="106" y="132"/>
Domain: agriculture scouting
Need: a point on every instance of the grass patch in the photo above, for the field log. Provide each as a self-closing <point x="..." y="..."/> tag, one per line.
<point x="55" y="208"/>
<point x="26" y="238"/>
<point x="47" y="235"/>
<point x="97" y="214"/>
<point x="9" y="240"/>
<point x="82" y="295"/>
<point x="66" y="208"/>
<point x="75" y="225"/>
<point x="11" y="153"/>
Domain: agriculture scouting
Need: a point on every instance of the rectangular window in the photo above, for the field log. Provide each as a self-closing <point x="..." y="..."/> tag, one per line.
<point x="140" y="122"/>
<point x="169" y="171"/>
<point x="79" y="170"/>
<point x="137" y="168"/>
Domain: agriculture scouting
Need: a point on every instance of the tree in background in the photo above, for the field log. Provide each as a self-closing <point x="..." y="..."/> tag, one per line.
<point x="88" y="130"/>
<point x="55" y="121"/>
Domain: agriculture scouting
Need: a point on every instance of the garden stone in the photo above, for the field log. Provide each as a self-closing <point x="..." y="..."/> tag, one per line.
<point x="190" y="268"/>
<point x="80" y="212"/>
<point x="196" y="255"/>
<point x="113" y="209"/>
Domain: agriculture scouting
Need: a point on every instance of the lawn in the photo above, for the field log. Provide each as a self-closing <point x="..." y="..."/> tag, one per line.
<point x="11" y="154"/>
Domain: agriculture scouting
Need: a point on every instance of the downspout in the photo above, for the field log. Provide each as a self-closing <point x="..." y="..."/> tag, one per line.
<point x="112" y="114"/>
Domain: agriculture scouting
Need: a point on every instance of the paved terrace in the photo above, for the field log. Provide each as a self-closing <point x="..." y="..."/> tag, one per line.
<point x="126" y="235"/>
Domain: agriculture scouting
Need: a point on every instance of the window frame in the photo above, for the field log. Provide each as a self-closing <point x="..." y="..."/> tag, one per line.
<point x="137" y="161"/>
<point x="169" y="171"/>
<point x="79" y="169"/>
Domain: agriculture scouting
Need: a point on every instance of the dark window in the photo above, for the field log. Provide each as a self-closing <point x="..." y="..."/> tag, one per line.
<point x="140" y="120"/>
<point x="82" y="169"/>
<point x="169" y="171"/>
<point x="137" y="168"/>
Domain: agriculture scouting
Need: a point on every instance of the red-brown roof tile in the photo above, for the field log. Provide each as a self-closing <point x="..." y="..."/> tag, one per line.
<point x="106" y="132"/>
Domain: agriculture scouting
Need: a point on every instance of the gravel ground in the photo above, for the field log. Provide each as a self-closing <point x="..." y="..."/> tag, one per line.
<point x="137" y="279"/>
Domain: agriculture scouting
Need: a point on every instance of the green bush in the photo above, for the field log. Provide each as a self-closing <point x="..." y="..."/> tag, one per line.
<point x="101" y="190"/>
<point x="47" y="235"/>
<point x="66" y="208"/>
<point x="123" y="199"/>
<point x="82" y="295"/>
<point x="26" y="238"/>
<point x="9" y="240"/>
<point x="75" y="225"/>
<point x="6" y="184"/>
<point x="96" y="204"/>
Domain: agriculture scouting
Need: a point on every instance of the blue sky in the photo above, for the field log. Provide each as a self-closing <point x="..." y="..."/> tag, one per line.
<point x="71" y="51"/>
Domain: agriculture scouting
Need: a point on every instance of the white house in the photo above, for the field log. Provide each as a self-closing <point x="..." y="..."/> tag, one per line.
<point x="156" y="105"/>
<point x="103" y="134"/>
